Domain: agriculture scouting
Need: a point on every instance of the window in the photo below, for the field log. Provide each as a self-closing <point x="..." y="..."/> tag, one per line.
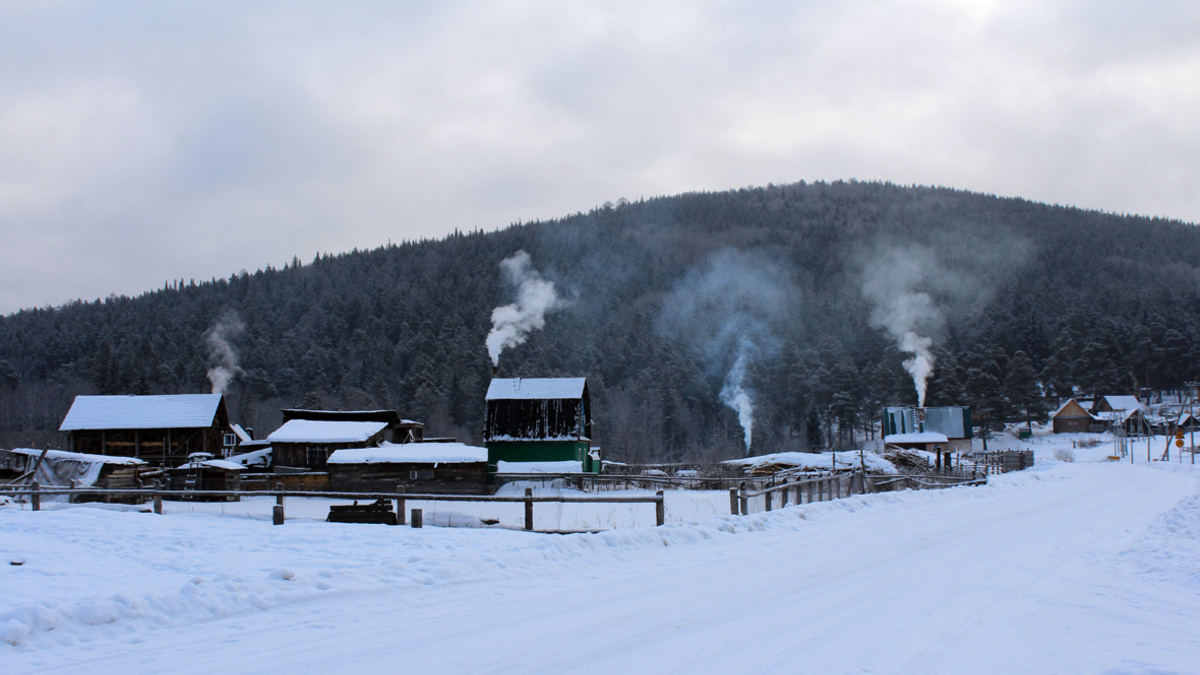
<point x="420" y="474"/>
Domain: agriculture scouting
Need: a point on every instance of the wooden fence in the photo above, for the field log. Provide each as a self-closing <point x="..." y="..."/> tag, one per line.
<point x="837" y="486"/>
<point x="35" y="493"/>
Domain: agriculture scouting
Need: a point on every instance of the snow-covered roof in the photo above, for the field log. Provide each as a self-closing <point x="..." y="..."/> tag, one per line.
<point x="243" y="437"/>
<point x="179" y="411"/>
<point x="536" y="388"/>
<point x="923" y="437"/>
<point x="260" y="457"/>
<point x="1067" y="403"/>
<point x="314" y="431"/>
<point x="223" y="464"/>
<point x="411" y="453"/>
<point x="79" y="456"/>
<point x="1129" y="403"/>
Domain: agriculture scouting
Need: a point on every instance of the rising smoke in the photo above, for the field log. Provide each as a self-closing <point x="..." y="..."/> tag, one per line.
<point x="729" y="310"/>
<point x="511" y="324"/>
<point x="221" y="353"/>
<point x="894" y="283"/>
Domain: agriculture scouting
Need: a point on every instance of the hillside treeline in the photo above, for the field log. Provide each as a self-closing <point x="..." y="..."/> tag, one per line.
<point x="1025" y="304"/>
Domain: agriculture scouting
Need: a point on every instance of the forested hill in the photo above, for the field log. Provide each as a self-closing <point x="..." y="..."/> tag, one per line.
<point x="809" y="287"/>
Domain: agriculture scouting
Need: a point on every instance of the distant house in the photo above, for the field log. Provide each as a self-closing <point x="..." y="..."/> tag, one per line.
<point x="161" y="430"/>
<point x="532" y="420"/>
<point x="452" y="468"/>
<point x="1072" y="418"/>
<point x="307" y="444"/>
<point x="1108" y="404"/>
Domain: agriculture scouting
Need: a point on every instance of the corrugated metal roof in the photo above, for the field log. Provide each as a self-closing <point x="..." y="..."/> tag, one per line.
<point x="536" y="388"/>
<point x="314" y="431"/>
<point x="180" y="411"/>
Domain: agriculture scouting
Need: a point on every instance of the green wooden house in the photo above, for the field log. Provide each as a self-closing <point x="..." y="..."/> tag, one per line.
<point x="531" y="420"/>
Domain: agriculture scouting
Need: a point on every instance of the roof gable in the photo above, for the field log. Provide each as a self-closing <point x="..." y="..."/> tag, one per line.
<point x="522" y="388"/>
<point x="1070" y="409"/>
<point x="180" y="411"/>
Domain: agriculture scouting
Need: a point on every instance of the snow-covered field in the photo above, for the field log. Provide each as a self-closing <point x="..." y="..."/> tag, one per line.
<point x="1081" y="567"/>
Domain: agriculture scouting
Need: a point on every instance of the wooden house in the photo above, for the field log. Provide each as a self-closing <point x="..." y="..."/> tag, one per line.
<point x="539" y="420"/>
<point x="1072" y="418"/>
<point x="162" y="430"/>
<point x="448" y="468"/>
<point x="1108" y="404"/>
<point x="307" y="444"/>
<point x="953" y="422"/>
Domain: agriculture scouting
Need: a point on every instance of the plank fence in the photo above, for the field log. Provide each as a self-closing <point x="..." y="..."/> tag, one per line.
<point x="838" y="486"/>
<point x="34" y="492"/>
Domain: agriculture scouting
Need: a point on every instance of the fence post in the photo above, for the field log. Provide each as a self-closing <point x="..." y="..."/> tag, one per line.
<point x="733" y="502"/>
<point x="783" y="495"/>
<point x="35" y="498"/>
<point x="277" y="512"/>
<point x="767" y="499"/>
<point x="400" y="505"/>
<point x="743" y="499"/>
<point x="158" y="503"/>
<point x="529" y="508"/>
<point x="418" y="519"/>
<point x="660" y="509"/>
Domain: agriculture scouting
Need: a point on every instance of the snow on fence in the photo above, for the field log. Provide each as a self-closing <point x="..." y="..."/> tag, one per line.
<point x="837" y="486"/>
<point x="35" y="493"/>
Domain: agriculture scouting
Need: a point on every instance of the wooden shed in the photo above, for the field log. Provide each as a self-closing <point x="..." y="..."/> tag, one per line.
<point x="203" y="472"/>
<point x="307" y="444"/>
<point x="539" y="420"/>
<point x="162" y="430"/>
<point x="450" y="468"/>
<point x="1071" y="418"/>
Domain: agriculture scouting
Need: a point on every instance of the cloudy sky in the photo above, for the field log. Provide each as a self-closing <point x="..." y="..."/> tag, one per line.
<point x="141" y="142"/>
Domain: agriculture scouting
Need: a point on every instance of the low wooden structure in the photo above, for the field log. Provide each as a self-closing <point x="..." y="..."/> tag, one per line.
<point x="308" y="444"/>
<point x="206" y="474"/>
<point x="161" y="430"/>
<point x="434" y="468"/>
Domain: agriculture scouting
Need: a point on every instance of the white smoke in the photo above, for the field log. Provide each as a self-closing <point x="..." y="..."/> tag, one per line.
<point x="511" y="324"/>
<point x="735" y="396"/>
<point x="729" y="310"/>
<point x="891" y="284"/>
<point x="221" y="352"/>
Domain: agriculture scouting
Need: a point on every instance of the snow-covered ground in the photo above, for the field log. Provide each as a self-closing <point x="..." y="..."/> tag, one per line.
<point x="1083" y="567"/>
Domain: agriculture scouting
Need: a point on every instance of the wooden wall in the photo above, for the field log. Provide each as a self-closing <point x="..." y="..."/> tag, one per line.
<point x="446" y="478"/>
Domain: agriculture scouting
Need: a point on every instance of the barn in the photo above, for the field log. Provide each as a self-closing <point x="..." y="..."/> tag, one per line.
<point x="307" y="444"/>
<point x="162" y="430"/>
<point x="534" y="420"/>
<point x="447" y="468"/>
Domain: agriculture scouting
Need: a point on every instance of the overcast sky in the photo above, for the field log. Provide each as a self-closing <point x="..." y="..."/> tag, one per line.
<point x="141" y="142"/>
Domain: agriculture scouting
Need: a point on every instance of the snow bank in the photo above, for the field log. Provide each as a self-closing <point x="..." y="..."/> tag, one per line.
<point x="825" y="461"/>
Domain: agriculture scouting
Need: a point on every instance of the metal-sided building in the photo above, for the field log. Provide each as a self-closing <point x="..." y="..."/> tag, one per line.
<point x="533" y="420"/>
<point x="162" y="430"/>
<point x="953" y="422"/>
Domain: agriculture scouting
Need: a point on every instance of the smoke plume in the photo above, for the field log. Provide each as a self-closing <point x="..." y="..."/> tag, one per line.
<point x="221" y="352"/>
<point x="729" y="310"/>
<point x="892" y="282"/>
<point x="511" y="324"/>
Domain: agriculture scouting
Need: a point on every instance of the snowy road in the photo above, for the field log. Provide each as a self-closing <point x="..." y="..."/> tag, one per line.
<point x="1067" y="568"/>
